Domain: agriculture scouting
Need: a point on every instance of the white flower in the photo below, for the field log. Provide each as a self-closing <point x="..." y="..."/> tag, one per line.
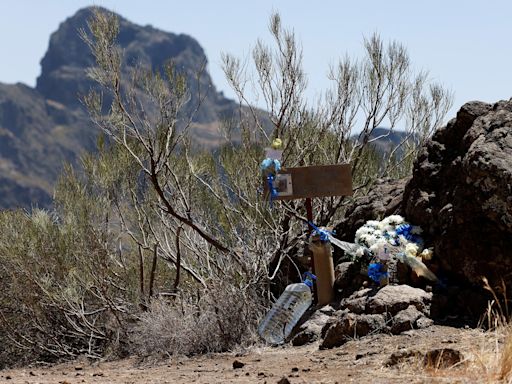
<point x="427" y="254"/>
<point x="368" y="239"/>
<point x="411" y="249"/>
<point x="395" y="219"/>
<point x="378" y="233"/>
<point x="387" y="228"/>
<point x="364" y="230"/>
<point x="373" y="223"/>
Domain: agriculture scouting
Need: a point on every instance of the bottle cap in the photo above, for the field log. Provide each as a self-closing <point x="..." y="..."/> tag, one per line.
<point x="308" y="278"/>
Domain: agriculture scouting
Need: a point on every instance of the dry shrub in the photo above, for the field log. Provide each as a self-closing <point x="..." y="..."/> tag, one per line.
<point x="506" y="357"/>
<point x="223" y="318"/>
<point x="497" y="314"/>
<point x="63" y="295"/>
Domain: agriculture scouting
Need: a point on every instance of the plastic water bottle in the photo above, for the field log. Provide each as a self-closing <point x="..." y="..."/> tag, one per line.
<point x="286" y="312"/>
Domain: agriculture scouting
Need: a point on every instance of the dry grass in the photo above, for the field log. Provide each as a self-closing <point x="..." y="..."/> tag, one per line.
<point x="506" y="358"/>
<point x="225" y="318"/>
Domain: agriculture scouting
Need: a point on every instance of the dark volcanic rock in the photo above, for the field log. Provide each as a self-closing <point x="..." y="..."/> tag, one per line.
<point x="461" y="193"/>
<point x="391" y="309"/>
<point x="442" y="358"/>
<point x="351" y="325"/>
<point x="344" y="274"/>
<point x="311" y="329"/>
<point x="406" y="319"/>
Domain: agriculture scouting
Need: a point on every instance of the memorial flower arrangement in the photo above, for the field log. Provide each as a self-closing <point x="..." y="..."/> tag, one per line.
<point x="393" y="237"/>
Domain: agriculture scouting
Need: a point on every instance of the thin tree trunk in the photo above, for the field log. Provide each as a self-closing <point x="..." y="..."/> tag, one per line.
<point x="141" y="272"/>
<point x="153" y="270"/>
<point x="178" y="260"/>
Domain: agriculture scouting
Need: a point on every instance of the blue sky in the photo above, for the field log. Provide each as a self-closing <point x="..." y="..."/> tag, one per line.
<point x="465" y="45"/>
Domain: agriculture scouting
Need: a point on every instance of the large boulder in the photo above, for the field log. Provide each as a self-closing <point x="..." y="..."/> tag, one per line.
<point x="461" y="193"/>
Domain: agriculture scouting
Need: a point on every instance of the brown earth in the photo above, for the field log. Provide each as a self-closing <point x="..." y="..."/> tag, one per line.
<point x="372" y="359"/>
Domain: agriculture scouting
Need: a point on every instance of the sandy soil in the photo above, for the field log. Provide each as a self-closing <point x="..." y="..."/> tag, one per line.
<point x="359" y="361"/>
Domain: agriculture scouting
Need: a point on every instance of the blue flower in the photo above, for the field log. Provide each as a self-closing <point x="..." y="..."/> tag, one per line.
<point x="404" y="230"/>
<point x="376" y="272"/>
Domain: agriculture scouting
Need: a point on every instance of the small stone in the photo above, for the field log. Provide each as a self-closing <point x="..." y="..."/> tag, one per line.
<point x="238" y="364"/>
<point x="405" y="319"/>
<point x="295" y="369"/>
<point x="424" y="322"/>
<point x="284" y="380"/>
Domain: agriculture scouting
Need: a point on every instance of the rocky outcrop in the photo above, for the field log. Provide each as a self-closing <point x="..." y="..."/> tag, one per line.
<point x="392" y="309"/>
<point x="461" y="193"/>
<point x="63" y="77"/>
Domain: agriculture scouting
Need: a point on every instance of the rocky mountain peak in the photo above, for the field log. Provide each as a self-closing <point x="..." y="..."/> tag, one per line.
<point x="43" y="127"/>
<point x="63" y="77"/>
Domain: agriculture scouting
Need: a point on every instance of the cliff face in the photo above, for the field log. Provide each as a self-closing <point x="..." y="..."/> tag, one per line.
<point x="42" y="128"/>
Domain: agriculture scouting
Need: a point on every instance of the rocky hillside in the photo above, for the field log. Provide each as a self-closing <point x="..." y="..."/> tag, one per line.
<point x="43" y="127"/>
<point x="460" y="193"/>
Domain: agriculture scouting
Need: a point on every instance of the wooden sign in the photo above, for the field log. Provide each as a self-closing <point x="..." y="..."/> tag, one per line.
<point x="313" y="181"/>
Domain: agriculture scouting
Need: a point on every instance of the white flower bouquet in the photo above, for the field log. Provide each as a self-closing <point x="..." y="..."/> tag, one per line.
<point x="393" y="237"/>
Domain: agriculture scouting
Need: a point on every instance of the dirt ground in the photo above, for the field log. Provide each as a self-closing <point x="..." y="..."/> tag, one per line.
<point x="365" y="360"/>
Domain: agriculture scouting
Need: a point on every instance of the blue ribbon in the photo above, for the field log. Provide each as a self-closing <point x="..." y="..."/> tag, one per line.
<point x="272" y="189"/>
<point x="323" y="233"/>
<point x="270" y="167"/>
